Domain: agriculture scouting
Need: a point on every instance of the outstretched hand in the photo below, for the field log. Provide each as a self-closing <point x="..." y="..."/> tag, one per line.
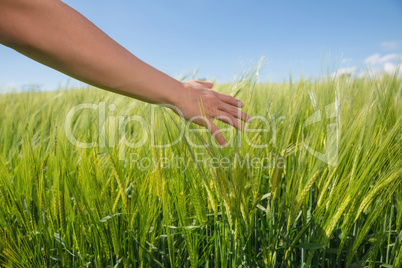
<point x="202" y="105"/>
<point x="39" y="30"/>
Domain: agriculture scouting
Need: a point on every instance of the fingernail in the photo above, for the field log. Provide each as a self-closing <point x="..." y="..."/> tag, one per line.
<point x="225" y="145"/>
<point x="249" y="120"/>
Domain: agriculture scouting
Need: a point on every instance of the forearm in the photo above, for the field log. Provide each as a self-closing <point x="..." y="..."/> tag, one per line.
<point x="54" y="34"/>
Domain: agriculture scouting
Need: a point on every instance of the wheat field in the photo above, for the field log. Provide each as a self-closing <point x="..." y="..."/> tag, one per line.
<point x="90" y="178"/>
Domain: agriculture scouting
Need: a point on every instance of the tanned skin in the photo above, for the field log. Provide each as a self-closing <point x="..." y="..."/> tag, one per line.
<point x="54" y="34"/>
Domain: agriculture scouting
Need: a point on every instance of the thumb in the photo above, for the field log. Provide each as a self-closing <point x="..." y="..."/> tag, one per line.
<point x="208" y="84"/>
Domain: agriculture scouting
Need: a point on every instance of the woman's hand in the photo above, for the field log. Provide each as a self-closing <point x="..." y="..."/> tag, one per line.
<point x="200" y="104"/>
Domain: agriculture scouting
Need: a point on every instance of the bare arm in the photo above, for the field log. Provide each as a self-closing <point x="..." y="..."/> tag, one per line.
<point x="51" y="32"/>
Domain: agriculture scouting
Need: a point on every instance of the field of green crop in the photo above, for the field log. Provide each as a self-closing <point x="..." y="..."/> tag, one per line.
<point x="90" y="178"/>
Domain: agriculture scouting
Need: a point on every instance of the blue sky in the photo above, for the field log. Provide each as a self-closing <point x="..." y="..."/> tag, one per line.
<point x="223" y="38"/>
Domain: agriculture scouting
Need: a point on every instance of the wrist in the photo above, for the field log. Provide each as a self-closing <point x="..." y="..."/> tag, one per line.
<point x="175" y="94"/>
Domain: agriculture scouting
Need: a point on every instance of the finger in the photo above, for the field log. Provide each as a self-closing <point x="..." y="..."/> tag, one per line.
<point x="230" y="100"/>
<point x="230" y="120"/>
<point x="235" y="112"/>
<point x="207" y="84"/>
<point x="200" y="120"/>
<point x="217" y="134"/>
